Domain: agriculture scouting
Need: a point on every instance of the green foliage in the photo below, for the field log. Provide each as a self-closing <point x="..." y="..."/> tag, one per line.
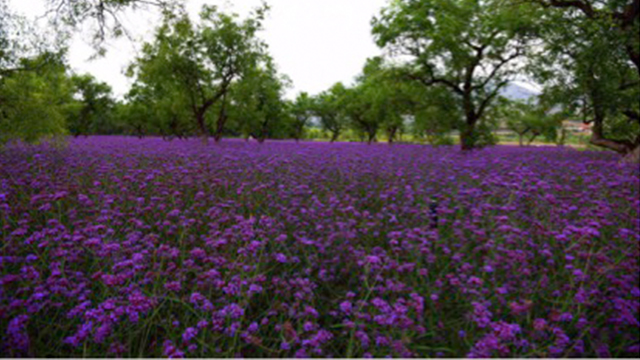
<point x="191" y="67"/>
<point x="329" y="108"/>
<point x="136" y="117"/>
<point x="103" y="16"/>
<point x="35" y="92"/>
<point x="468" y="47"/>
<point x="35" y="103"/>
<point x="94" y="111"/>
<point x="589" y="66"/>
<point x="301" y="111"/>
<point x="388" y="96"/>
<point x="436" y="115"/>
<point x="257" y="105"/>
<point x="529" y="121"/>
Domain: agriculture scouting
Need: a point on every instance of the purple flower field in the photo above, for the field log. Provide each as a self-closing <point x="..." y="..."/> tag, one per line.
<point x="124" y="247"/>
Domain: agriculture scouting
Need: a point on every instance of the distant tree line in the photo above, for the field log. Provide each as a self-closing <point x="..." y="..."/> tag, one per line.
<point x="446" y="63"/>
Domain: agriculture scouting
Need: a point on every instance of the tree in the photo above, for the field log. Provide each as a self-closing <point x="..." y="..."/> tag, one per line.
<point x="369" y="104"/>
<point x="621" y="18"/>
<point x="358" y="109"/>
<point x="35" y="92"/>
<point x="469" y="47"/>
<point x="590" y="67"/>
<point x="96" y="104"/>
<point x="436" y="115"/>
<point x="257" y="102"/>
<point x="195" y="65"/>
<point x="529" y="121"/>
<point x="134" y="115"/>
<point x="329" y="109"/>
<point x="392" y="96"/>
<point x="302" y="112"/>
<point x="35" y="102"/>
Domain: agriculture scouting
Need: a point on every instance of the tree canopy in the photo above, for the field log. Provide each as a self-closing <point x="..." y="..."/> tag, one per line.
<point x="195" y="65"/>
<point x="468" y="47"/>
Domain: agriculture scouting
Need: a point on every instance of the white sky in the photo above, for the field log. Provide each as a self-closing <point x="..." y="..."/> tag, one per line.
<point x="315" y="42"/>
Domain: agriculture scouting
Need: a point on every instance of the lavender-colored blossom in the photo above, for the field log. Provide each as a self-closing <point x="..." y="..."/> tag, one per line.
<point x="288" y="249"/>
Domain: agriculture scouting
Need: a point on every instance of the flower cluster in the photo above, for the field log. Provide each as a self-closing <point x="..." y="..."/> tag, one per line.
<point x="148" y="248"/>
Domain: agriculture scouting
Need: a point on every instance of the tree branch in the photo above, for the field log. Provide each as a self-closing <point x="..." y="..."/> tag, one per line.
<point x="503" y="61"/>
<point x="584" y="6"/>
<point x="432" y="80"/>
<point x="485" y="103"/>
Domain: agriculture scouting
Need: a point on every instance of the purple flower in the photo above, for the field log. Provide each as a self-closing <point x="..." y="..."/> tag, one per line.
<point x="346" y="307"/>
<point x="189" y="334"/>
<point x="170" y="351"/>
<point x="281" y="258"/>
<point x="372" y="259"/>
<point x="253" y="328"/>
<point x="234" y="311"/>
<point x="173" y="286"/>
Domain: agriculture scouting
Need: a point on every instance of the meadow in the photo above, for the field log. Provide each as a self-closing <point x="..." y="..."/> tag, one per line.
<point x="115" y="246"/>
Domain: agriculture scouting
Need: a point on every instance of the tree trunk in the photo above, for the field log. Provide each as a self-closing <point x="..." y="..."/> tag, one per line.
<point x="218" y="136"/>
<point x="520" y="139"/>
<point x="222" y="119"/>
<point x="201" y="123"/>
<point x="598" y="139"/>
<point x="467" y="135"/>
<point x="563" y="137"/>
<point x="334" y="136"/>
<point x="392" y="134"/>
<point x="371" y="137"/>
<point x="264" y="131"/>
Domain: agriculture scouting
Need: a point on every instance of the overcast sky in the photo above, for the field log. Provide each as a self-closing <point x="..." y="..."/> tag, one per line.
<point x="315" y="42"/>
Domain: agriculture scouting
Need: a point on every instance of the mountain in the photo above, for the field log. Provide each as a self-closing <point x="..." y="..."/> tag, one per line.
<point x="516" y="91"/>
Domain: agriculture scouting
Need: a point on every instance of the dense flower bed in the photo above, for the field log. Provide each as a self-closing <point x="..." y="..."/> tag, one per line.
<point x="132" y="247"/>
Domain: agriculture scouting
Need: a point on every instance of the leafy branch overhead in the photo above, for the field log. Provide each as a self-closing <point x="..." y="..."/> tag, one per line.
<point x="103" y="16"/>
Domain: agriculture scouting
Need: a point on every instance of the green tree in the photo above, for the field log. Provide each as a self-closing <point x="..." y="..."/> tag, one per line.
<point x="619" y="18"/>
<point x="436" y="115"/>
<point x="94" y="115"/>
<point x="257" y="102"/>
<point x="358" y="107"/>
<point x="529" y="121"/>
<point x="195" y="65"/>
<point x="34" y="87"/>
<point x="368" y="104"/>
<point x="329" y="108"/>
<point x="590" y="67"/>
<point x="393" y="96"/>
<point x="469" y="47"/>
<point x="36" y="100"/>
<point x="134" y="114"/>
<point x="302" y="112"/>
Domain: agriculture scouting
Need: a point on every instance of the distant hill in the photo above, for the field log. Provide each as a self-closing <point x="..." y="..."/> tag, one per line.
<point x="515" y="91"/>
